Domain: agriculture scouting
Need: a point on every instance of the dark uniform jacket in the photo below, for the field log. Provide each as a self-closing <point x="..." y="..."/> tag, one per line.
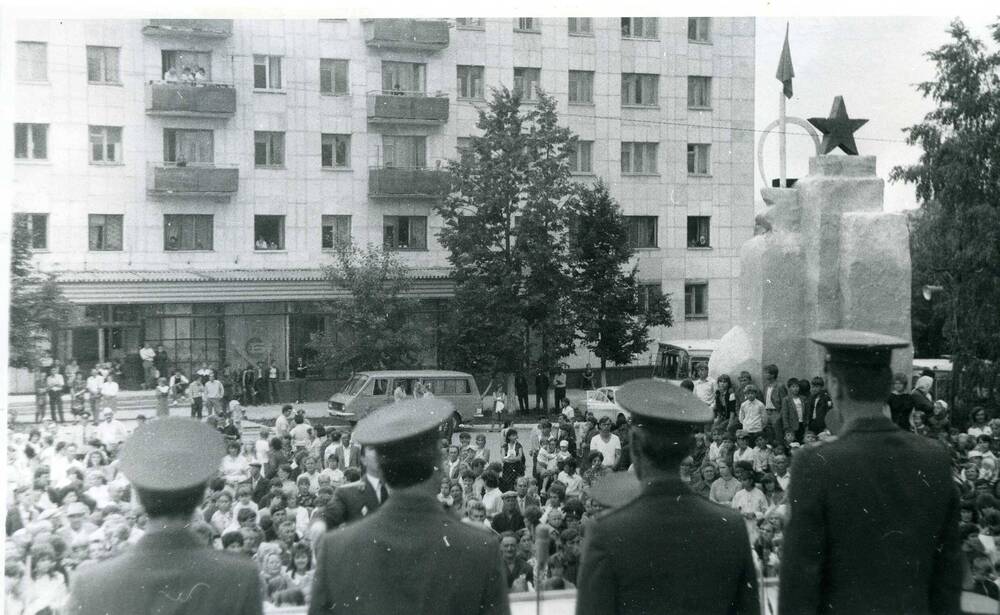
<point x="167" y="572"/>
<point x="350" y="502"/>
<point x="667" y="551"/>
<point x="411" y="556"/>
<point x="874" y="526"/>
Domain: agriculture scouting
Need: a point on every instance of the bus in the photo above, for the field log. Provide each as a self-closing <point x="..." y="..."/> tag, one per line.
<point x="679" y="359"/>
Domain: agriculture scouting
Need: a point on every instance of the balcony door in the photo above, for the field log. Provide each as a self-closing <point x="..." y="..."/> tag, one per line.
<point x="191" y="60"/>
<point x="404" y="151"/>
<point x="404" y="78"/>
<point x="188" y="146"/>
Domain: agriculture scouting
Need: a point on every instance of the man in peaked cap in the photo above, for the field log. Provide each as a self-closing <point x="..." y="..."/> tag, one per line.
<point x="667" y="550"/>
<point x="407" y="555"/>
<point x="874" y="514"/>
<point x="169" y="463"/>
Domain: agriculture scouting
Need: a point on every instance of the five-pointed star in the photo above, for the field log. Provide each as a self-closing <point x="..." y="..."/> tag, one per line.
<point x="838" y="129"/>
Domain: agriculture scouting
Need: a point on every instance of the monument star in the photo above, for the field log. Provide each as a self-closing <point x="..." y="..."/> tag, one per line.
<point x="838" y="129"/>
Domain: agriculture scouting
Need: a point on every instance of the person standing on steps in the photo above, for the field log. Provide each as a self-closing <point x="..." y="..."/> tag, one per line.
<point x="301" y="371"/>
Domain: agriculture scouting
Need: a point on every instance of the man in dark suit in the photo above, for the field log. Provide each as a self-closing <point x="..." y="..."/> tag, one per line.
<point x="355" y="500"/>
<point x="509" y="519"/>
<point x="668" y="550"/>
<point x="818" y="404"/>
<point x="258" y="484"/>
<point x="368" y="567"/>
<point x="542" y="390"/>
<point x="874" y="514"/>
<point x="348" y="452"/>
<point x="169" y="462"/>
<point x="773" y="394"/>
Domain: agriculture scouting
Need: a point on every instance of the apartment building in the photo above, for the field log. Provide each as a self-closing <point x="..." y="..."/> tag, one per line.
<point x="186" y="180"/>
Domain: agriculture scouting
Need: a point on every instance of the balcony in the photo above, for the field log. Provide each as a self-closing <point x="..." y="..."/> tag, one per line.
<point x="402" y="107"/>
<point x="416" y="34"/>
<point x="189" y="28"/>
<point x="170" y="179"/>
<point x="187" y="100"/>
<point x="407" y="182"/>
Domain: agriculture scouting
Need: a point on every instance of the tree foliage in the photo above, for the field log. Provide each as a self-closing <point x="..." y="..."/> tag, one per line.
<point x="374" y="329"/>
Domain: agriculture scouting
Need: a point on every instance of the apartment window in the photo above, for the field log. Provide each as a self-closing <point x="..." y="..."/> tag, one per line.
<point x="404" y="151"/>
<point x="404" y="232"/>
<point x="102" y="65"/>
<point x="267" y="72"/>
<point x="336" y="232"/>
<point x="268" y="149"/>
<point x="469" y="22"/>
<point x="639" y="27"/>
<point x="269" y="232"/>
<point x="640" y="89"/>
<point x="699" y="29"/>
<point x="581" y="86"/>
<point x="638" y="158"/>
<point x="527" y="24"/>
<point x="581" y="26"/>
<point x="698" y="232"/>
<point x="699" y="92"/>
<point x="185" y="60"/>
<point x="105" y="144"/>
<point x="404" y="78"/>
<point x="333" y="77"/>
<point x="31" y="141"/>
<point x="470" y="81"/>
<point x="464" y="149"/>
<point x="579" y="157"/>
<point x="187" y="232"/>
<point x="105" y="232"/>
<point x="695" y="300"/>
<point x="336" y="151"/>
<point x="648" y="296"/>
<point x="526" y="82"/>
<point x="32" y="61"/>
<point x="698" y="158"/>
<point x="38" y="229"/>
<point x="641" y="231"/>
<point x="183" y="146"/>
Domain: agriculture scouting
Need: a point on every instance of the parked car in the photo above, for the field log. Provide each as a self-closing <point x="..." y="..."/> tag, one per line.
<point x="601" y="402"/>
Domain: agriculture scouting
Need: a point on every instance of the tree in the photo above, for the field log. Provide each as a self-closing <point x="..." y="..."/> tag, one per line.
<point x="956" y="234"/>
<point x="505" y="225"/>
<point x="374" y="329"/>
<point x="612" y="319"/>
<point x="37" y="305"/>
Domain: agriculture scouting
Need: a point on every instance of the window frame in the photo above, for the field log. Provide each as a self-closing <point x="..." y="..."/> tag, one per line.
<point x="258" y="219"/>
<point x="691" y="296"/>
<point x="588" y="82"/>
<point x="702" y="153"/>
<point x="30" y="146"/>
<point x="334" y="137"/>
<point x="30" y="218"/>
<point x="699" y="84"/>
<point x="171" y="156"/>
<point x="331" y="65"/>
<point x="534" y="25"/>
<point x="574" y="159"/>
<point x="193" y="220"/>
<point x="645" y="290"/>
<point x="477" y="93"/>
<point x="270" y="147"/>
<point x="334" y="221"/>
<point x="635" y="233"/>
<point x="23" y="62"/>
<point x="104" y="66"/>
<point x="104" y="247"/>
<point x="706" y="31"/>
<point x="635" y="81"/>
<point x="106" y="142"/>
<point x="642" y="147"/>
<point x="269" y="72"/>
<point x="520" y="88"/>
<point x="645" y="24"/>
<point x="476" y="23"/>
<point x="409" y="221"/>
<point x="699" y="224"/>
<point x="578" y="21"/>
<point x="415" y="144"/>
<point x="417" y="77"/>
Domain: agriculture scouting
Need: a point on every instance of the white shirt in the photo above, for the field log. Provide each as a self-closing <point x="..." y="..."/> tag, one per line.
<point x="493" y="501"/>
<point x="262" y="449"/>
<point x="94" y="384"/>
<point x="281" y="426"/>
<point x="569" y="412"/>
<point x="705" y="390"/>
<point x="608" y="448"/>
<point x="147" y="354"/>
<point x="376" y="485"/>
<point x="752" y="501"/>
<point x="752" y="416"/>
<point x="234" y="469"/>
<point x="783" y="480"/>
<point x="112" y="432"/>
<point x="744" y="455"/>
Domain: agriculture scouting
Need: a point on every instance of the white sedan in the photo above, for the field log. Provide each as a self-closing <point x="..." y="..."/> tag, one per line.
<point x="601" y="403"/>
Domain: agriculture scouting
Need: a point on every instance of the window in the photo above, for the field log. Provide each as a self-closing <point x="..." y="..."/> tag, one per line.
<point x="581" y="25"/>
<point x="695" y="300"/>
<point x="105" y="144"/>
<point x="187" y="232"/>
<point x="527" y="24"/>
<point x="404" y="232"/>
<point x="638" y="158"/>
<point x="641" y="231"/>
<point x="470" y="81"/>
<point x="698" y="156"/>
<point x="469" y="22"/>
<point x="32" y="61"/>
<point x="698" y="232"/>
<point x="333" y="77"/>
<point x="579" y="157"/>
<point x="102" y="65"/>
<point x="268" y="149"/>
<point x="649" y="294"/>
<point x="526" y="82"/>
<point x="183" y="60"/>
<point x="640" y="89"/>
<point x="38" y="229"/>
<point x="267" y="72"/>
<point x="105" y="232"/>
<point x="404" y="78"/>
<point x="336" y="151"/>
<point x="639" y="27"/>
<point x="183" y="146"/>
<point x="269" y="232"/>
<point x="336" y="232"/>
<point x="699" y="29"/>
<point x="581" y="86"/>
<point x="464" y="149"/>
<point x="31" y="141"/>
<point x="404" y="151"/>
<point x="700" y="92"/>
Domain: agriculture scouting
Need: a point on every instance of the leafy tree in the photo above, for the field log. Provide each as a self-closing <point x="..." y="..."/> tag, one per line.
<point x="956" y="234"/>
<point x="374" y="329"/>
<point x="505" y="226"/>
<point x="612" y="321"/>
<point x="37" y="306"/>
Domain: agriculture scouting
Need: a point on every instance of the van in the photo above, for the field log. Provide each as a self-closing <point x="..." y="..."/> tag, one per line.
<point x="369" y="390"/>
<point x="679" y="359"/>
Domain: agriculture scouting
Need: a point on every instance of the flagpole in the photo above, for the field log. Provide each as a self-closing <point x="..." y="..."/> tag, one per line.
<point x="781" y="141"/>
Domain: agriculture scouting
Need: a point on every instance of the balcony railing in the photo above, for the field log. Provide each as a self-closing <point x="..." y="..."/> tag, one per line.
<point x="194" y="28"/>
<point x="420" y="34"/>
<point x="190" y="100"/>
<point x="406" y="107"/>
<point x="192" y="179"/>
<point x="409" y="182"/>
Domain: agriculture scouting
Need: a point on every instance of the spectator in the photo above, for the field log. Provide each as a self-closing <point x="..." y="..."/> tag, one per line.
<point x="793" y="413"/>
<point x="111" y="432"/>
<point x="818" y="405"/>
<point x="752" y="412"/>
<point x="55" y="385"/>
<point x="921" y="395"/>
<point x="513" y="461"/>
<point x="705" y="387"/>
<point x="608" y="444"/>
<point x="724" y="487"/>
<point x="980" y="421"/>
